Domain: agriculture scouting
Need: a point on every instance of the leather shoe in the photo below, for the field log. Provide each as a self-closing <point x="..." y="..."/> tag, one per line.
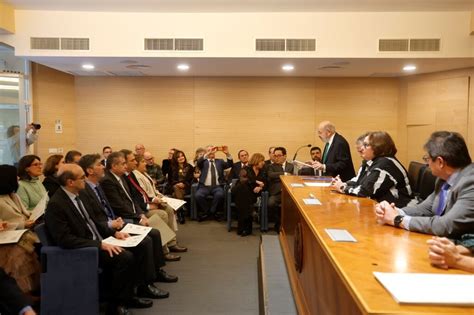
<point x="217" y="217"/>
<point x="203" y="217"/>
<point x="165" y="277"/>
<point x="117" y="310"/>
<point x="245" y="233"/>
<point x="178" y="249"/>
<point x="171" y="257"/>
<point x="137" y="302"/>
<point x="152" y="292"/>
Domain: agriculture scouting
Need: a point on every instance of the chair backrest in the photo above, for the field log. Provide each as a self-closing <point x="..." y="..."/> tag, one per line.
<point x="415" y="173"/>
<point x="43" y="235"/>
<point x="427" y="183"/>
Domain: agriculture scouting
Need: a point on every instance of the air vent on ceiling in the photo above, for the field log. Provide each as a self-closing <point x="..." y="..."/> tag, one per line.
<point x="301" y="45"/>
<point x="74" y="43"/>
<point x="270" y="45"/>
<point x="425" y="44"/>
<point x="159" y="44"/>
<point x="89" y="73"/>
<point x="189" y="44"/>
<point x="393" y="44"/>
<point x="44" y="43"/>
<point x="126" y="73"/>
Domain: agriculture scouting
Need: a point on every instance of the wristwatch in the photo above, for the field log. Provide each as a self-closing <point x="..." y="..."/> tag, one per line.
<point x="398" y="220"/>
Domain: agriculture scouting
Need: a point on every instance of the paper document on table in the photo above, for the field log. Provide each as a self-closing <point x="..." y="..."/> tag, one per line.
<point x="38" y="211"/>
<point x="11" y="237"/>
<point x="300" y="164"/>
<point x="131" y="241"/>
<point x="296" y="185"/>
<point x="428" y="288"/>
<point x="317" y="184"/>
<point x="167" y="234"/>
<point x="312" y="201"/>
<point x="174" y="203"/>
<point x="136" y="229"/>
<point x="340" y="235"/>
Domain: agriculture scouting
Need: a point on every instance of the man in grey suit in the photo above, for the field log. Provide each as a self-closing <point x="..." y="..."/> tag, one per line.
<point x="279" y="167"/>
<point x="449" y="210"/>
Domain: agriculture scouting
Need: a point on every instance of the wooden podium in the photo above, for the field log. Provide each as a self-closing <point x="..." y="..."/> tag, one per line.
<point x="335" y="278"/>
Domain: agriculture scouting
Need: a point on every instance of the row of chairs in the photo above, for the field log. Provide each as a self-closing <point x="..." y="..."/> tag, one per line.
<point x="422" y="181"/>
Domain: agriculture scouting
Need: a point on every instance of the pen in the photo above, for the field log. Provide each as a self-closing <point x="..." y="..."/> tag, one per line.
<point x="312" y="196"/>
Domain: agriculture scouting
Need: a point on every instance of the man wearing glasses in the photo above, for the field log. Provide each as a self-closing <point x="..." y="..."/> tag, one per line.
<point x="449" y="210"/>
<point x="153" y="169"/>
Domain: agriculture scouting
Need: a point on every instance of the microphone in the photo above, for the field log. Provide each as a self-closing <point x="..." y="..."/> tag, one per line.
<point x="304" y="146"/>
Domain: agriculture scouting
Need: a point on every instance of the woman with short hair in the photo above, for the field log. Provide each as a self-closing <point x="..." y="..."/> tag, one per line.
<point x="30" y="189"/>
<point x="385" y="178"/>
<point x="50" y="170"/>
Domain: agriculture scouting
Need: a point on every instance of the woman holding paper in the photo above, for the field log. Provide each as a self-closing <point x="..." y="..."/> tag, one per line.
<point x="181" y="175"/>
<point x="245" y="192"/>
<point x="30" y="189"/>
<point x="18" y="260"/>
<point x="385" y="178"/>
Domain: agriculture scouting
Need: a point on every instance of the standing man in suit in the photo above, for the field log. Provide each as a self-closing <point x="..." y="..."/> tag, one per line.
<point x="71" y="224"/>
<point x="279" y="167"/>
<point x="212" y="180"/>
<point x="449" y="210"/>
<point x="116" y="190"/>
<point x="336" y="158"/>
<point x="235" y="171"/>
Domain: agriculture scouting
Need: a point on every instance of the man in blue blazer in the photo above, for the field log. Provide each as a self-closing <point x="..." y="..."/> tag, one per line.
<point x="212" y="180"/>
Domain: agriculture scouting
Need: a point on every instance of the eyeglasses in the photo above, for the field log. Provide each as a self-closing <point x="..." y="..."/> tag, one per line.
<point x="37" y="164"/>
<point x="278" y="155"/>
<point x="149" y="159"/>
<point x="366" y="145"/>
<point x="426" y="158"/>
<point x="82" y="177"/>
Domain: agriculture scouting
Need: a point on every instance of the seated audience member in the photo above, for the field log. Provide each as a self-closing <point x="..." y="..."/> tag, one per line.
<point x="18" y="260"/>
<point x="336" y="159"/>
<point x="445" y="254"/>
<point x="153" y="169"/>
<point x="70" y="222"/>
<point x="102" y="212"/>
<point x="279" y="167"/>
<point x="385" y="178"/>
<point x="212" y="181"/>
<point x="139" y="149"/>
<point x="116" y="189"/>
<point x="355" y="181"/>
<point x="199" y="153"/>
<point x="181" y="175"/>
<point x="166" y="163"/>
<point x="449" y="210"/>
<point x="271" y="157"/>
<point x="12" y="299"/>
<point x="72" y="156"/>
<point x="315" y="153"/>
<point x="50" y="181"/>
<point x="245" y="192"/>
<point x="243" y="156"/>
<point x="30" y="189"/>
<point x="105" y="154"/>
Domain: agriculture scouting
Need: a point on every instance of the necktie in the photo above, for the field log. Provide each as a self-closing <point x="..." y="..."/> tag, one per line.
<point x="128" y="196"/>
<point x="90" y="224"/>
<point x="213" y="174"/>
<point x="139" y="188"/>
<point x="105" y="204"/>
<point x="442" y="198"/>
<point x="325" y="152"/>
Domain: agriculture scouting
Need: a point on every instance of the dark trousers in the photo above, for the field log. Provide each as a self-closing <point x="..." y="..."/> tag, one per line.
<point x="120" y="271"/>
<point x="274" y="208"/>
<point x="217" y="193"/>
<point x="145" y="261"/>
<point x="159" y="257"/>
<point x="244" y="199"/>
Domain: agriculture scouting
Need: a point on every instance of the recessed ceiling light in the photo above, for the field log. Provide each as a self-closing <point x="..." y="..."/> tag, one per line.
<point x="409" y="68"/>
<point x="288" y="67"/>
<point x="88" y="67"/>
<point x="183" y="67"/>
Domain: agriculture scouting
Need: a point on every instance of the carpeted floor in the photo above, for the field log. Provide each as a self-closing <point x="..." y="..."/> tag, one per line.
<point x="218" y="275"/>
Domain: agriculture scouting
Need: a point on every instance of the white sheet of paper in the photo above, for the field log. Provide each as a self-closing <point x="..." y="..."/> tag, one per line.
<point x="167" y="234"/>
<point x="38" y="211"/>
<point x="174" y="203"/>
<point x="11" y="237"/>
<point x="429" y="288"/>
<point x="136" y="229"/>
<point x="340" y="235"/>
<point x="296" y="185"/>
<point x="300" y="164"/>
<point x="312" y="201"/>
<point x="131" y="241"/>
<point x="318" y="184"/>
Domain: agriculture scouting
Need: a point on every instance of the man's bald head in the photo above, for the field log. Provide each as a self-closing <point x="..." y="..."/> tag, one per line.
<point x="71" y="177"/>
<point x="325" y="130"/>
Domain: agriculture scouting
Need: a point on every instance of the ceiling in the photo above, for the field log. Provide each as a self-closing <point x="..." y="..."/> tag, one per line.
<point x="243" y="5"/>
<point x="320" y="67"/>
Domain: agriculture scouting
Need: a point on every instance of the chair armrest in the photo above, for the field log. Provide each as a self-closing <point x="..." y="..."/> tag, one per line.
<point x="66" y="260"/>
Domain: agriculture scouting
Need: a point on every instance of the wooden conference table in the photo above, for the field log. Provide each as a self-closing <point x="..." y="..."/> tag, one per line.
<point x="336" y="277"/>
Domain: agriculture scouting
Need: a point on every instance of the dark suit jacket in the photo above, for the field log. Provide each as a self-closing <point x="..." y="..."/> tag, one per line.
<point x="11" y="296"/>
<point x="134" y="192"/>
<point x="173" y="177"/>
<point x="98" y="211"/>
<point x="273" y="177"/>
<point x="221" y="165"/>
<point x="66" y="226"/>
<point x="166" y="167"/>
<point x="118" y="199"/>
<point x="339" y="161"/>
<point x="235" y="171"/>
<point x="51" y="184"/>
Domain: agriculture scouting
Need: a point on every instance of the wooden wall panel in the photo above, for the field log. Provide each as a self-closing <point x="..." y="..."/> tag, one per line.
<point x="53" y="98"/>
